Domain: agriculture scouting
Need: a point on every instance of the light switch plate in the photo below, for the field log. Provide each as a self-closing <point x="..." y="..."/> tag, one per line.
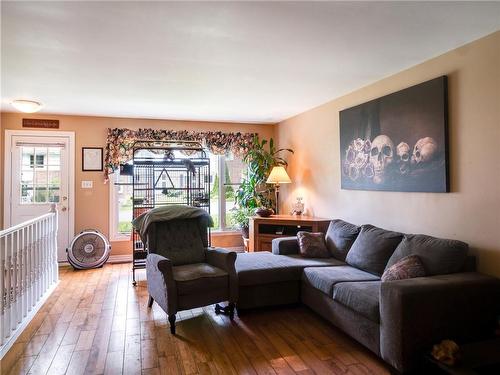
<point x="87" y="184"/>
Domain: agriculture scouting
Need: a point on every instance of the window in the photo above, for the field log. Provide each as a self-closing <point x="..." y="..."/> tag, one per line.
<point x="222" y="190"/>
<point x="222" y="194"/>
<point x="40" y="175"/>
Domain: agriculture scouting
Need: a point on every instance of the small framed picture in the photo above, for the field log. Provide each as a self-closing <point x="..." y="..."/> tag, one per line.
<point x="92" y="159"/>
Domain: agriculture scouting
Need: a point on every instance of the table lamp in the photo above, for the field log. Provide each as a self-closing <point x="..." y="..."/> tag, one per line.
<point x="278" y="176"/>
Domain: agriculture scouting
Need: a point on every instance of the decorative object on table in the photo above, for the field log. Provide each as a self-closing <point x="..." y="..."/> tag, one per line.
<point x="89" y="249"/>
<point x="278" y="176"/>
<point x="447" y="352"/>
<point x="298" y="207"/>
<point x="253" y="191"/>
<point x="398" y="142"/>
<point x="92" y="159"/>
<point x="312" y="245"/>
<point x="264" y="212"/>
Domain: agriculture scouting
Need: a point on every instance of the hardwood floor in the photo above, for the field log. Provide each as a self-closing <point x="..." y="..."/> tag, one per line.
<point x="96" y="322"/>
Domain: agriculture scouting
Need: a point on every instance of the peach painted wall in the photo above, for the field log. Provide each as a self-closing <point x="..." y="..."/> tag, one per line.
<point x="471" y="212"/>
<point x="92" y="205"/>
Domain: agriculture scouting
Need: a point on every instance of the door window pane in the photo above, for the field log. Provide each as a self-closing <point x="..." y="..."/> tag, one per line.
<point x="40" y="175"/>
<point x="40" y="157"/>
<point x="26" y="193"/>
<point x="54" y="156"/>
<point x="54" y="194"/>
<point x="27" y="176"/>
<point x="27" y="157"/>
<point x="41" y="194"/>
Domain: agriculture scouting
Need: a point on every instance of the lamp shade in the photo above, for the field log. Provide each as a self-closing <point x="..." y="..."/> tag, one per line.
<point x="278" y="175"/>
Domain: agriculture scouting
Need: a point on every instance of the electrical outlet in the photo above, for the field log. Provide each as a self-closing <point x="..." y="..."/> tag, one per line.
<point x="87" y="184"/>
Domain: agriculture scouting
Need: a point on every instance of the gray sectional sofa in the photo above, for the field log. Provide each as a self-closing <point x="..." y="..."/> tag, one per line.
<point x="397" y="320"/>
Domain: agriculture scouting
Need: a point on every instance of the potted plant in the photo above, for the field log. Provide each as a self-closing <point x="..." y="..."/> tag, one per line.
<point x="241" y="217"/>
<point x="253" y="192"/>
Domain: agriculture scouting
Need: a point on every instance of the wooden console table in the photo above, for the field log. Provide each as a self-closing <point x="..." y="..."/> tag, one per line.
<point x="264" y="229"/>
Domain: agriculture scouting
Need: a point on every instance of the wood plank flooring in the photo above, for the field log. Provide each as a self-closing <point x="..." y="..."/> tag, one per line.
<point x="96" y="322"/>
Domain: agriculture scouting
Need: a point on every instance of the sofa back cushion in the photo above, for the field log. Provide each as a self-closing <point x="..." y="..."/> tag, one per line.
<point x="439" y="256"/>
<point x="372" y="249"/>
<point x="339" y="238"/>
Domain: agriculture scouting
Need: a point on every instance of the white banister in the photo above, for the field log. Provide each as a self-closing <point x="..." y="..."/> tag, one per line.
<point x="29" y="273"/>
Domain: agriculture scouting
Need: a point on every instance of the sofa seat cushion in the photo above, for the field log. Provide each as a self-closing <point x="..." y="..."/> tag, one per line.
<point x="339" y="238"/>
<point x="362" y="297"/>
<point x="373" y="248"/>
<point x="199" y="277"/>
<point x="438" y="255"/>
<point x="264" y="267"/>
<point x="325" y="278"/>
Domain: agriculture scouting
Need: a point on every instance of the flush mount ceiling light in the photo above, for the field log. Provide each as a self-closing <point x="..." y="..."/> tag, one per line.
<point x="27" y="106"/>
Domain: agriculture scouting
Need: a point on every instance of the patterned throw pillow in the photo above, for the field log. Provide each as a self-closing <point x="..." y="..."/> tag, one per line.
<point x="312" y="245"/>
<point x="407" y="268"/>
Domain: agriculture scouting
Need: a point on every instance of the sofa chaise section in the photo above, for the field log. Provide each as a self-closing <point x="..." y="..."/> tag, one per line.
<point x="266" y="279"/>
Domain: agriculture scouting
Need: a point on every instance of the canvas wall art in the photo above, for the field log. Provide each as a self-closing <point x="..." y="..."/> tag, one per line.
<point x="397" y="142"/>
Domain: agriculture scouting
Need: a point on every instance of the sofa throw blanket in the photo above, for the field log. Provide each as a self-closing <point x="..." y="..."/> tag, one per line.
<point x="166" y="213"/>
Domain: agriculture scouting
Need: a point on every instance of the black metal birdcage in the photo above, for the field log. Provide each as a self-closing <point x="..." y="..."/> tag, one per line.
<point x="166" y="173"/>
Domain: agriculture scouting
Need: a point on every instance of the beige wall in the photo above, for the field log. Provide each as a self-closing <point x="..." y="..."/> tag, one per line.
<point x="92" y="205"/>
<point x="471" y="212"/>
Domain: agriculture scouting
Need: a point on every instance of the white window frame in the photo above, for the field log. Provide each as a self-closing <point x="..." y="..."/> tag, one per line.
<point x="113" y="205"/>
<point x="113" y="212"/>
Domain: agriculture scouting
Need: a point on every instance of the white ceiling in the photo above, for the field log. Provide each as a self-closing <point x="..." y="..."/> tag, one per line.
<point x="231" y="61"/>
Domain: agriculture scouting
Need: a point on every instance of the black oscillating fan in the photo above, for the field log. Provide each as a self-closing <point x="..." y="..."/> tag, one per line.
<point x="89" y="249"/>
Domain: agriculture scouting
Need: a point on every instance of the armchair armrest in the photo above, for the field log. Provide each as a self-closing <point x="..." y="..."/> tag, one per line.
<point x="225" y="260"/>
<point x="161" y="283"/>
<point x="285" y="246"/>
<point x="416" y="313"/>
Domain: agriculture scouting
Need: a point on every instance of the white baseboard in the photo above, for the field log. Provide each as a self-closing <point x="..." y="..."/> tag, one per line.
<point x="120" y="258"/>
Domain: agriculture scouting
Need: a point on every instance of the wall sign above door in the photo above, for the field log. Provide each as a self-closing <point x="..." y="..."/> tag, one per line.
<point x="40" y="123"/>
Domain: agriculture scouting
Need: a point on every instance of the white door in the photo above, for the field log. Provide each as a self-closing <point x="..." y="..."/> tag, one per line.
<point x="40" y="175"/>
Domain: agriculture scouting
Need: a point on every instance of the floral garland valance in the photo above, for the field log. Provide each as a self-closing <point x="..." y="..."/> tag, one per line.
<point x="120" y="142"/>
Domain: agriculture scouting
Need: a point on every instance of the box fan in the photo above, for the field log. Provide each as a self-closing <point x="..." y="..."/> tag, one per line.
<point x="89" y="249"/>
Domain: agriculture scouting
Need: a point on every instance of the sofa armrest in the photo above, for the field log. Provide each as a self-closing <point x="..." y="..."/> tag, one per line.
<point x="161" y="284"/>
<point x="285" y="246"/>
<point x="225" y="260"/>
<point x="416" y="313"/>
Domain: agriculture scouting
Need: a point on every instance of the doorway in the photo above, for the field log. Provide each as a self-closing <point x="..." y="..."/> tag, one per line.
<point x="39" y="171"/>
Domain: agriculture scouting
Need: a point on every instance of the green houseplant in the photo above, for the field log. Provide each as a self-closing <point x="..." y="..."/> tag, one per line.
<point x="253" y="191"/>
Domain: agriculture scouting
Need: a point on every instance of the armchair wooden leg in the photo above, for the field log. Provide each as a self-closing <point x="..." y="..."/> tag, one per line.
<point x="231" y="310"/>
<point x="150" y="301"/>
<point x="171" y="320"/>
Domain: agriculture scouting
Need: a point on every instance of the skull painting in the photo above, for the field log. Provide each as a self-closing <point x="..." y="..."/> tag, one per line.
<point x="424" y="151"/>
<point x="403" y="152"/>
<point x="381" y="156"/>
